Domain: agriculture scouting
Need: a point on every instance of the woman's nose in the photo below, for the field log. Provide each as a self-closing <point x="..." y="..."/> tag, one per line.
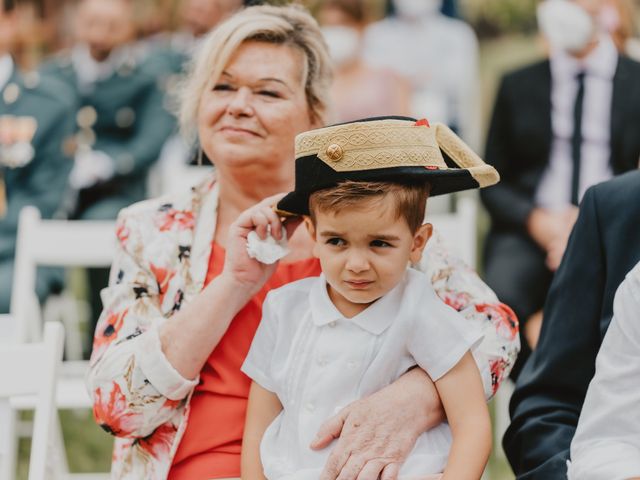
<point x="240" y="103"/>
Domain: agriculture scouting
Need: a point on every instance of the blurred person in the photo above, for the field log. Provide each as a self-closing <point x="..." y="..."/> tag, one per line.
<point x="558" y="127"/>
<point x="122" y="122"/>
<point x="36" y="125"/>
<point x="546" y="405"/>
<point x="358" y="90"/>
<point x="607" y="440"/>
<point x="185" y="299"/>
<point x="413" y="42"/>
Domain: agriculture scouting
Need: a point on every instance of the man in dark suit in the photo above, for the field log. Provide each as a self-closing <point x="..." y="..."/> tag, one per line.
<point x="604" y="246"/>
<point x="558" y="127"/>
<point x="36" y="123"/>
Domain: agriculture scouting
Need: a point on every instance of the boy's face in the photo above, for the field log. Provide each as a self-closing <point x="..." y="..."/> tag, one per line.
<point x="364" y="252"/>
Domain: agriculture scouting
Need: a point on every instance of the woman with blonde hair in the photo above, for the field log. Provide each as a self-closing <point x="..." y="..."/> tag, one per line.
<point x="185" y="300"/>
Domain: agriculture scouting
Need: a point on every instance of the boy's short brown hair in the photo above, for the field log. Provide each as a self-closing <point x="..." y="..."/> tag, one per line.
<point x="409" y="200"/>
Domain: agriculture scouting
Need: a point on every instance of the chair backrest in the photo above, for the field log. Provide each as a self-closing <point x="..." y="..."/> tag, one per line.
<point x="53" y="243"/>
<point x="28" y="369"/>
<point x="459" y="229"/>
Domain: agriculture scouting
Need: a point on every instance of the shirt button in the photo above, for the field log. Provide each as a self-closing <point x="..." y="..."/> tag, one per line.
<point x="310" y="407"/>
<point x="351" y="364"/>
<point x="322" y="361"/>
<point x="332" y="324"/>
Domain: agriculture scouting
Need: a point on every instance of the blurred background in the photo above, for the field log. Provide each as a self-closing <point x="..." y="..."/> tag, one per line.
<point x="471" y="45"/>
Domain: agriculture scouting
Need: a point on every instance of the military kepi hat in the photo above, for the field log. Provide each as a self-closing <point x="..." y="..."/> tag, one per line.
<point x="384" y="149"/>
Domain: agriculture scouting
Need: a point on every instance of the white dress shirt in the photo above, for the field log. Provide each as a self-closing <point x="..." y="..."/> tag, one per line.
<point x="6" y="70"/>
<point x="554" y="190"/>
<point x="607" y="442"/>
<point x="318" y="362"/>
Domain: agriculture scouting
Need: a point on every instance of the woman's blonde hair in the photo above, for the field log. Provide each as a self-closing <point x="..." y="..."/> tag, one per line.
<point x="289" y="25"/>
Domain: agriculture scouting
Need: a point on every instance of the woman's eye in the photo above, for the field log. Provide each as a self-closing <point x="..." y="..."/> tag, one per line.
<point x="269" y="93"/>
<point x="338" y="242"/>
<point x="222" y="87"/>
<point x="380" y="243"/>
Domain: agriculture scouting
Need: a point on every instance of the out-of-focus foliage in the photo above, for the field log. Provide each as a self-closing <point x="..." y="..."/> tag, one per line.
<point x="495" y="17"/>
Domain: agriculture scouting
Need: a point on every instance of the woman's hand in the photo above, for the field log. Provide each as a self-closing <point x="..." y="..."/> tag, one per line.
<point x="247" y="273"/>
<point x="376" y="434"/>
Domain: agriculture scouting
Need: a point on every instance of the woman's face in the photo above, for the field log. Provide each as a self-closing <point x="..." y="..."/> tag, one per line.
<point x="255" y="110"/>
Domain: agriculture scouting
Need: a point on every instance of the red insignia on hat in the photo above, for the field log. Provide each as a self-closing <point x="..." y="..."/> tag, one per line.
<point x="423" y="122"/>
<point x="432" y="167"/>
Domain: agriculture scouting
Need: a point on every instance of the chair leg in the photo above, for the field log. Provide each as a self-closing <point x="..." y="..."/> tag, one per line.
<point x="8" y="441"/>
<point x="57" y="464"/>
<point x="65" y="308"/>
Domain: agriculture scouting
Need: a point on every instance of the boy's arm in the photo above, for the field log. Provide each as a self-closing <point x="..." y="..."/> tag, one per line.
<point x="463" y="399"/>
<point x="264" y="406"/>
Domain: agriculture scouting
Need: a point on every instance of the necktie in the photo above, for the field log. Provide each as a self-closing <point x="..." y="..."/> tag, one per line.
<point x="576" y="139"/>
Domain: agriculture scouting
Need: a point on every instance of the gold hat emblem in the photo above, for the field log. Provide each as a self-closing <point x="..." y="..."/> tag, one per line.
<point x="335" y="152"/>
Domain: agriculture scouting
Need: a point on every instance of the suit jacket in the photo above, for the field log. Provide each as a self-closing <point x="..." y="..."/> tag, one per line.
<point x="42" y="181"/>
<point x="130" y="124"/>
<point x="520" y="137"/>
<point x="604" y="246"/>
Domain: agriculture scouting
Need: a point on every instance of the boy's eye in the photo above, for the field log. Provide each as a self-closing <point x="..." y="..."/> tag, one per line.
<point x="338" y="242"/>
<point x="380" y="243"/>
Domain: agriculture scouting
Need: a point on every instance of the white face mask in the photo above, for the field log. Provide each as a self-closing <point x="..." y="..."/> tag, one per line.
<point x="417" y="8"/>
<point x="343" y="43"/>
<point x="566" y="25"/>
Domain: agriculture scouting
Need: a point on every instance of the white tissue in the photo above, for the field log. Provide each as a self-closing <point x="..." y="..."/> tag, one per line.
<point x="269" y="250"/>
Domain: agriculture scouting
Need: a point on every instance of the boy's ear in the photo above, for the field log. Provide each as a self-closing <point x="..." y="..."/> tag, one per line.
<point x="310" y="226"/>
<point x="420" y="239"/>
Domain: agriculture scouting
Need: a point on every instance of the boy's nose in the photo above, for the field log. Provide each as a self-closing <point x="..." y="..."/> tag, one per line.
<point x="357" y="262"/>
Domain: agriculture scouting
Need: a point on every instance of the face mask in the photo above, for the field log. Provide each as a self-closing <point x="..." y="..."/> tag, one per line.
<point x="566" y="25"/>
<point x="343" y="43"/>
<point x="417" y="8"/>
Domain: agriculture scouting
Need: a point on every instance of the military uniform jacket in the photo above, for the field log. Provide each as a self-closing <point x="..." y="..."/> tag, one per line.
<point x="49" y="106"/>
<point x="124" y="116"/>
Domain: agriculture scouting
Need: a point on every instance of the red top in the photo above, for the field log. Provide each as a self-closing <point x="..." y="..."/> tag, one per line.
<point x="212" y="442"/>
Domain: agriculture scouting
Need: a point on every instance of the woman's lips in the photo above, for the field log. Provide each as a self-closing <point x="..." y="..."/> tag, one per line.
<point x="238" y="131"/>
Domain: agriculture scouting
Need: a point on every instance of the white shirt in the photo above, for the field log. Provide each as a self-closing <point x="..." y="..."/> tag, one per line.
<point x="317" y="362"/>
<point x="89" y="70"/>
<point x="439" y="55"/>
<point x="6" y="70"/>
<point x="554" y="190"/>
<point x="607" y="441"/>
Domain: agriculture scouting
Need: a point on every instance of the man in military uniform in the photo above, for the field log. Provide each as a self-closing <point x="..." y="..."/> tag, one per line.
<point x="122" y="121"/>
<point x="36" y="120"/>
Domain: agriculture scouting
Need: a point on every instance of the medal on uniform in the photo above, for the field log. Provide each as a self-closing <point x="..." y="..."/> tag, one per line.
<point x="16" y="134"/>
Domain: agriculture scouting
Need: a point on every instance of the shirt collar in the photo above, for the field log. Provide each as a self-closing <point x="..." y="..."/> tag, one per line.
<point x="601" y="62"/>
<point x="6" y="70"/>
<point x="374" y="319"/>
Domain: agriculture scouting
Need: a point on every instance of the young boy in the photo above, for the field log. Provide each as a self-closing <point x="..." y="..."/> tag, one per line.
<point x="327" y="341"/>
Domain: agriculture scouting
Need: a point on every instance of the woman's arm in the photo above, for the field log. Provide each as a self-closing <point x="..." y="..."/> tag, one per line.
<point x="460" y="287"/>
<point x="462" y="394"/>
<point x="144" y="365"/>
<point x="264" y="406"/>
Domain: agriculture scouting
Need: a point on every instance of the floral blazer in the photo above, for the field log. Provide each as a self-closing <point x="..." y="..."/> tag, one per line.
<point x="161" y="263"/>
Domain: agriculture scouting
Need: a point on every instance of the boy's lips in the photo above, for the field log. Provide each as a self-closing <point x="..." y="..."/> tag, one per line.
<point x="358" y="284"/>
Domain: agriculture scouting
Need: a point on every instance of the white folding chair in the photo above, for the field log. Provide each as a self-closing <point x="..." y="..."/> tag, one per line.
<point x="30" y="369"/>
<point x="56" y="243"/>
<point x="459" y="229"/>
